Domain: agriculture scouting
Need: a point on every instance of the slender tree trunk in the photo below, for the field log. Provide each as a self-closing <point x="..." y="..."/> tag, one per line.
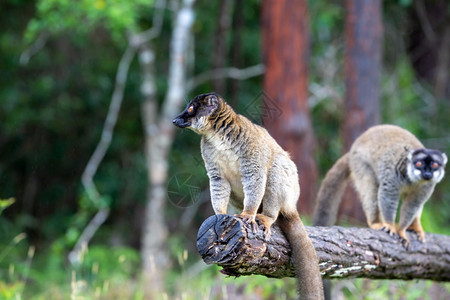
<point x="159" y="135"/>
<point x="429" y="44"/>
<point x="363" y="33"/>
<point x="285" y="36"/>
<point x="236" y="48"/>
<point x="155" y="258"/>
<point x="442" y="73"/>
<point x="220" y="43"/>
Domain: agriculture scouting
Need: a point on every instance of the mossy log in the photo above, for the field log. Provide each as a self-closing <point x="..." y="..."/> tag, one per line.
<point x="343" y="252"/>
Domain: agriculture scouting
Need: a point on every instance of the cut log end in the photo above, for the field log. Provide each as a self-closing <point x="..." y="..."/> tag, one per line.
<point x="343" y="252"/>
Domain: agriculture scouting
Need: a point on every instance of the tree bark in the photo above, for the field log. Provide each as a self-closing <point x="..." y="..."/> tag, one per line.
<point x="343" y="252"/>
<point x="285" y="42"/>
<point x="363" y="33"/>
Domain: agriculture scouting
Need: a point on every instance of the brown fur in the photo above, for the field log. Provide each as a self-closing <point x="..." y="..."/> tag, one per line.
<point x="250" y="171"/>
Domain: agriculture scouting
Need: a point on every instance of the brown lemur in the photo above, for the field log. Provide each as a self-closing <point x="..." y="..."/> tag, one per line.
<point x="250" y="171"/>
<point x="385" y="163"/>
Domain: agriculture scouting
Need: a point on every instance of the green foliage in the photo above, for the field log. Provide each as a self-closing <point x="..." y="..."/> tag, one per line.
<point x="8" y="247"/>
<point x="4" y="203"/>
<point x="46" y="275"/>
<point x="408" y="112"/>
<point x="59" y="16"/>
<point x="405" y="2"/>
<point x="327" y="22"/>
<point x="11" y="290"/>
<point x="99" y="262"/>
<point x="391" y="289"/>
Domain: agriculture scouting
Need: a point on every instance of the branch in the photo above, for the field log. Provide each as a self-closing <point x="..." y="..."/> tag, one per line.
<point x="420" y="8"/>
<point x="234" y="73"/>
<point x="176" y="78"/>
<point x="33" y="48"/>
<point x="343" y="252"/>
<point x="87" y="178"/>
<point x="110" y="123"/>
<point x="138" y="39"/>
<point x="75" y="256"/>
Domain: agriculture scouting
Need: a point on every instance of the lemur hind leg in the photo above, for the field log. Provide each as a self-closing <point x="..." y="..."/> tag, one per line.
<point x="366" y="186"/>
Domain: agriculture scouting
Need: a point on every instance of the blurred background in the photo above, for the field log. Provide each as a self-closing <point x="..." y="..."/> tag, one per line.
<point x="102" y="197"/>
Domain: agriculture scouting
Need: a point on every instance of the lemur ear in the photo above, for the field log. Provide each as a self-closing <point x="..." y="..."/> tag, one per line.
<point x="410" y="155"/>
<point x="444" y="157"/>
<point x="213" y="100"/>
<point x="212" y="103"/>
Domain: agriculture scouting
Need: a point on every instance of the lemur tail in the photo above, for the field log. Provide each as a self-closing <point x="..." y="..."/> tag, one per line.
<point x="304" y="257"/>
<point x="331" y="191"/>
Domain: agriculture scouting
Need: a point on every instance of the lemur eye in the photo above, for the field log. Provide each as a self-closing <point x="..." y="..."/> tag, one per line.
<point x="191" y="109"/>
<point x="434" y="165"/>
<point x="419" y="164"/>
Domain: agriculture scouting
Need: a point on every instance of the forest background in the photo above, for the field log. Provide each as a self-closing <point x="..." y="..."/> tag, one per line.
<point x="101" y="197"/>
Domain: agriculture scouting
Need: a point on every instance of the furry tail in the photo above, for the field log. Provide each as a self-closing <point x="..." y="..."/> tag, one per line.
<point x="331" y="191"/>
<point x="304" y="257"/>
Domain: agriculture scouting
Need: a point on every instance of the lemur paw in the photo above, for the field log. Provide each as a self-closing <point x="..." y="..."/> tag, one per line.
<point x="376" y="225"/>
<point x="419" y="232"/>
<point x="250" y="220"/>
<point x="421" y="236"/>
<point x="404" y="238"/>
<point x="406" y="243"/>
<point x="389" y="228"/>
<point x="266" y="224"/>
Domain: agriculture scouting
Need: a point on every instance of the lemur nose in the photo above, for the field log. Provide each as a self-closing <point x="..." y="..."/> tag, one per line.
<point x="427" y="175"/>
<point x="176" y="121"/>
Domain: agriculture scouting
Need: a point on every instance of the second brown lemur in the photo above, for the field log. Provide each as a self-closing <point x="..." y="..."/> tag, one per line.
<point x="249" y="170"/>
<point x="385" y="163"/>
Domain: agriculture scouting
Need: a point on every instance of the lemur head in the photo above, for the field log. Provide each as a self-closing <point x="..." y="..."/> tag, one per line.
<point x="199" y="112"/>
<point x="426" y="164"/>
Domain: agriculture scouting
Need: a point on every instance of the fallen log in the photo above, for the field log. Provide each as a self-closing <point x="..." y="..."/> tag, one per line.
<point x="343" y="252"/>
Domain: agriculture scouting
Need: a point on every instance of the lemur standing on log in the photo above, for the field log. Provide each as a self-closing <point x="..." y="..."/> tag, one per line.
<point x="247" y="168"/>
<point x="385" y="163"/>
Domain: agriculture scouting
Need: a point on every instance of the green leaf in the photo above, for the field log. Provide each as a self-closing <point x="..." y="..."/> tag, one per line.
<point x="4" y="203"/>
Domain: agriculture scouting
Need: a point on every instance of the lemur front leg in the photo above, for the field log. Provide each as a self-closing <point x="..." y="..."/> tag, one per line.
<point x="220" y="188"/>
<point x="254" y="185"/>
<point x="410" y="213"/>
<point x="388" y="198"/>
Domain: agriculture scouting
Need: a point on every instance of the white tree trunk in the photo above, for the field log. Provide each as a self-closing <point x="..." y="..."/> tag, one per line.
<point x="159" y="135"/>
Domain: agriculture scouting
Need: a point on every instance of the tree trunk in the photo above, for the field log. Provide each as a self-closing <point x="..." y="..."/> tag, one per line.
<point x="442" y="74"/>
<point x="285" y="36"/>
<point x="429" y="44"/>
<point x="363" y="32"/>
<point x="220" y="43"/>
<point x="236" y="49"/>
<point x="343" y="252"/>
<point x="155" y="258"/>
<point x="159" y="135"/>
